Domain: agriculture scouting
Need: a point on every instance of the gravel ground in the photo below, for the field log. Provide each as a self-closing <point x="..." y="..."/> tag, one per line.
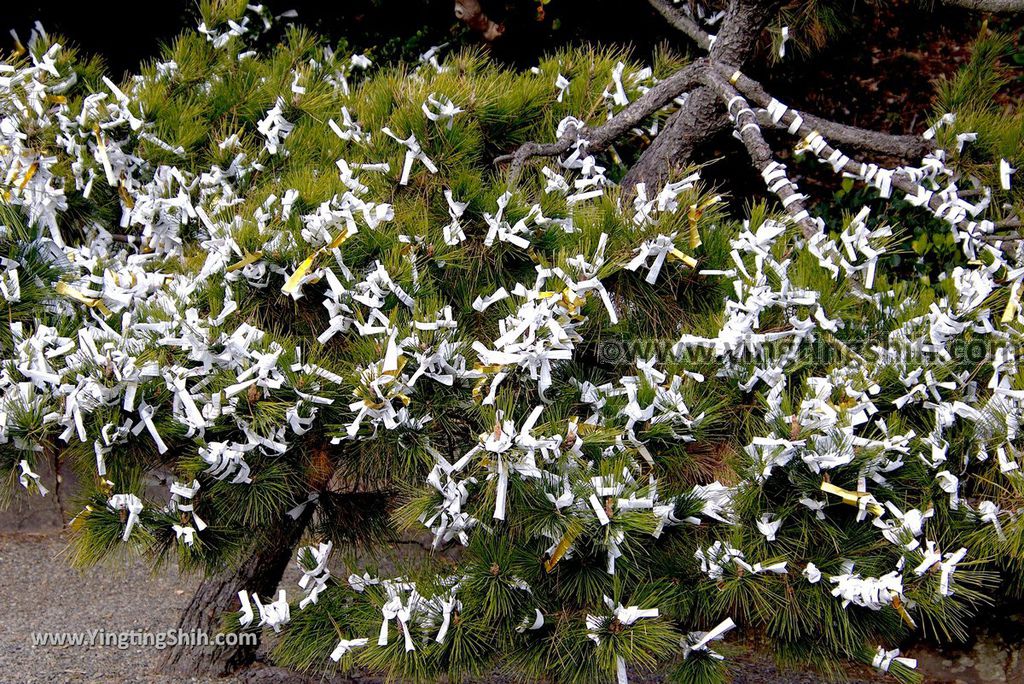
<point x="42" y="593"/>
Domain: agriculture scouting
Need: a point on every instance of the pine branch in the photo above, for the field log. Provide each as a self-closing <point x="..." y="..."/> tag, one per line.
<point x="601" y="137"/>
<point x="761" y="154"/>
<point x="681" y="21"/>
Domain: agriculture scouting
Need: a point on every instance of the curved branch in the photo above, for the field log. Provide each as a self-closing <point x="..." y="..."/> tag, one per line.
<point x="602" y="136"/>
<point x="901" y="147"/>
<point x="997" y="6"/>
<point x="529" y="150"/>
<point x="900" y="179"/>
<point x="761" y="156"/>
<point x="680" y="21"/>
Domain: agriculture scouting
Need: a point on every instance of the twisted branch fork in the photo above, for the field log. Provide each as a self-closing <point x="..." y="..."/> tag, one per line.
<point x="719" y="94"/>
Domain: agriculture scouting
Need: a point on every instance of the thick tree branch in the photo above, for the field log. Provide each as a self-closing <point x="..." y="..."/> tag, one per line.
<point x="797" y="123"/>
<point x="761" y="155"/>
<point x="700" y="118"/>
<point x="901" y="147"/>
<point x="697" y="121"/>
<point x="742" y="26"/>
<point x="602" y="136"/>
<point x="679" y="20"/>
<point x="988" y="5"/>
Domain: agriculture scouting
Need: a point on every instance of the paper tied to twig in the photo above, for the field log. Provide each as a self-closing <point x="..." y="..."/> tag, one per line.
<point x="27" y="477"/>
<point x="988" y="511"/>
<point x="346" y="645"/>
<point x="181" y="501"/>
<point x="393" y="609"/>
<point x="622" y="616"/>
<point x="440" y="110"/>
<point x="413" y="152"/>
<point x="227" y="459"/>
<point x="653" y="253"/>
<point x="873" y="593"/>
<point x="883" y="659"/>
<point x="130" y="504"/>
<point x="562" y="84"/>
<point x="699" y="642"/>
<point x="312" y="561"/>
<point x="274" y="127"/>
<point x="275" y="614"/>
<point x="349" y="130"/>
<point x="453" y="232"/>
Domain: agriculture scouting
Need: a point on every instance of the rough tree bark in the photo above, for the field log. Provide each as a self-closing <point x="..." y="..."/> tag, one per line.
<point x="701" y="117"/>
<point x="216" y="596"/>
<point x="988" y="5"/>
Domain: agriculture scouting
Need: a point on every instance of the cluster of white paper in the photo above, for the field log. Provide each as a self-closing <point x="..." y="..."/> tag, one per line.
<point x="140" y="348"/>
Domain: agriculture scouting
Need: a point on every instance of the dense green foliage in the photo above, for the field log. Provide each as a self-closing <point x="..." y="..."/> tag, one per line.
<point x="374" y="420"/>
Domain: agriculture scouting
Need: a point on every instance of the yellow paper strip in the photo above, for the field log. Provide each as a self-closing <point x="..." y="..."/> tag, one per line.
<point x="28" y="175"/>
<point x="852" y="498"/>
<point x="66" y="290"/>
<point x="685" y="258"/>
<point x="560" y="550"/>
<point x="125" y="197"/>
<point x="336" y="242"/>
<point x="805" y="143"/>
<point x="292" y="284"/>
<point x="1013" y="305"/>
<point x="695" y="241"/>
<point x="898" y="605"/>
<point x="249" y="258"/>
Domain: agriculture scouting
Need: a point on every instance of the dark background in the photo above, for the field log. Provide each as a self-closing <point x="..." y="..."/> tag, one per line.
<point x="125" y="32"/>
<point x="878" y="72"/>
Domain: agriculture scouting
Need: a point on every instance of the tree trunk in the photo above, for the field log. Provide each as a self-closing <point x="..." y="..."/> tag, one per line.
<point x="261" y="573"/>
<point x="695" y="123"/>
<point x="701" y="117"/>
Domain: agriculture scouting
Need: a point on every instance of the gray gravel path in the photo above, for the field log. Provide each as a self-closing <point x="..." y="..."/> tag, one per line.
<point x="41" y="593"/>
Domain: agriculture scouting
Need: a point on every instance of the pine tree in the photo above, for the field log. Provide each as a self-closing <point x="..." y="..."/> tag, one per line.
<point x="279" y="303"/>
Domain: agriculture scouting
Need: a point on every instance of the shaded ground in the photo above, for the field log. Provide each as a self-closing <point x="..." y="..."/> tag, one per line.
<point x="45" y="595"/>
